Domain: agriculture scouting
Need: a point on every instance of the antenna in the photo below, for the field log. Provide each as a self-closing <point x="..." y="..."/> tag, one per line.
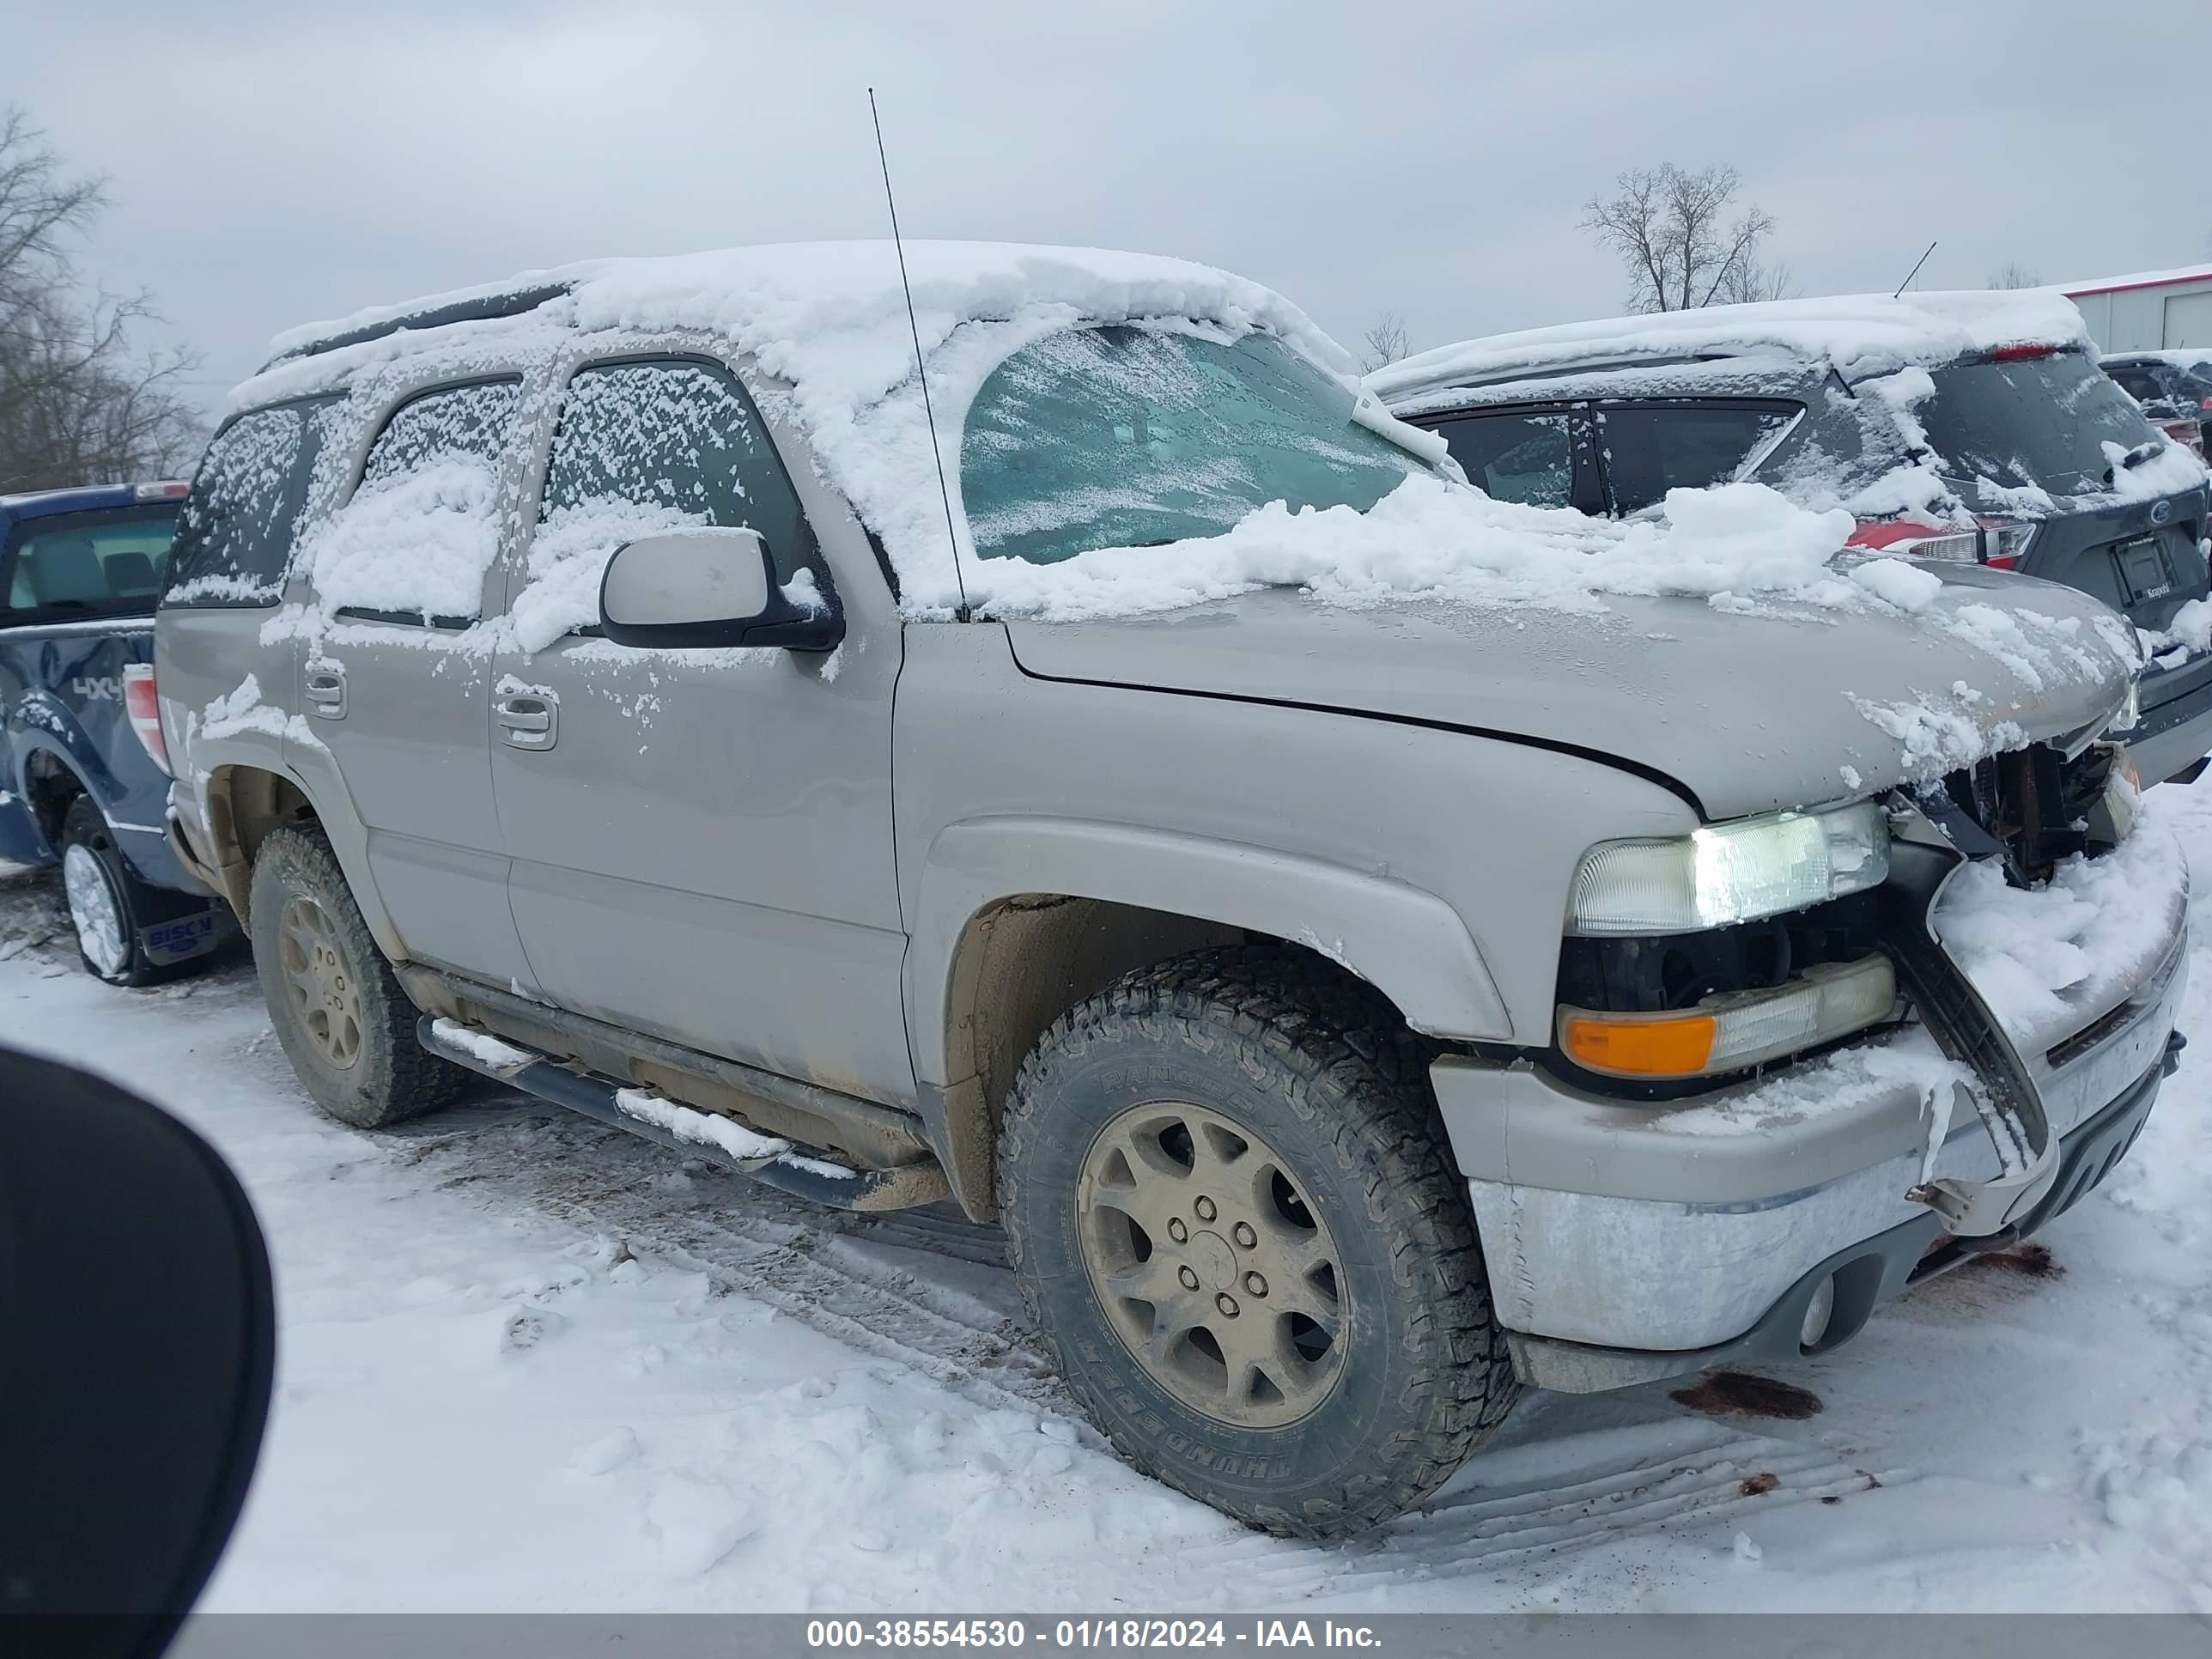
<point x="1914" y="271"/>
<point x="929" y="412"/>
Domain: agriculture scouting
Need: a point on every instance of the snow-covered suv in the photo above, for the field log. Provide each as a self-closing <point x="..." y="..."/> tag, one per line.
<point x="1369" y="946"/>
<point x="1972" y="426"/>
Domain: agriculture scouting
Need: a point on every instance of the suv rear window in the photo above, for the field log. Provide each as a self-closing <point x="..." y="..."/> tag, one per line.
<point x="1650" y="448"/>
<point x="235" y="535"/>
<point x="2041" y="422"/>
<point x="106" y="562"/>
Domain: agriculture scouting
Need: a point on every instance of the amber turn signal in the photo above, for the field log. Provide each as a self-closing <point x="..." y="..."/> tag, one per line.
<point x="1644" y="1047"/>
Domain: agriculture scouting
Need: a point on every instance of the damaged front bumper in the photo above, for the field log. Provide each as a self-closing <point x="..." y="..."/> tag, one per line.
<point x="1631" y="1242"/>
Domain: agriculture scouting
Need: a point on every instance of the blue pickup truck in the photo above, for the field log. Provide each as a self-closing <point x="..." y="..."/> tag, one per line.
<point x="80" y="571"/>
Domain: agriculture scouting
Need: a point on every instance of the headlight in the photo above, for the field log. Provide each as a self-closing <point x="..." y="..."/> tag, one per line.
<point x="1739" y="872"/>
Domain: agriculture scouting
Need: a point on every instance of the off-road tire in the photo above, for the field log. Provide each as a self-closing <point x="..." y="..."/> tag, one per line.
<point x="1321" y="1069"/>
<point x="391" y="1078"/>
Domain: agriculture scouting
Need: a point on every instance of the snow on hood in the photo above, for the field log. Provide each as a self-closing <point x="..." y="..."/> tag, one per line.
<point x="1861" y="335"/>
<point x="1430" y="539"/>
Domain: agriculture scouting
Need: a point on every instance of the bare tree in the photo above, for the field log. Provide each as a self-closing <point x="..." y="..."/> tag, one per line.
<point x="1385" y="342"/>
<point x="79" y="401"/>
<point x="1753" y="281"/>
<point x="2013" y="274"/>
<point x="1678" y="240"/>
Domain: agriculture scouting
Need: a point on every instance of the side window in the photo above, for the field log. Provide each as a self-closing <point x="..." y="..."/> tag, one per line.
<point x="643" y="447"/>
<point x="1651" y="448"/>
<point x="235" y="535"/>
<point x="2138" y="384"/>
<point x="1524" y="457"/>
<point x="422" y="529"/>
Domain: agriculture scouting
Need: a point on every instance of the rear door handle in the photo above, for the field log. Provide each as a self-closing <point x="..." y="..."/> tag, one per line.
<point x="327" y="693"/>
<point x="529" y="720"/>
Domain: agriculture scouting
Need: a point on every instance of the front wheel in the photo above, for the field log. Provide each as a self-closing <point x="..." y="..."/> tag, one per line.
<point x="1235" y="1221"/>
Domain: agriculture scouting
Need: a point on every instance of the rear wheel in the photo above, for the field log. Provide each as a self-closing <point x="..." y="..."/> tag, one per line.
<point x="101" y="894"/>
<point x="1235" y="1221"/>
<point x="338" y="1010"/>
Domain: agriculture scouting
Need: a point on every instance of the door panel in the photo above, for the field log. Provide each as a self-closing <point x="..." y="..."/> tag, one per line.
<point x="397" y="686"/>
<point x="410" y="743"/>
<point x="703" y="849"/>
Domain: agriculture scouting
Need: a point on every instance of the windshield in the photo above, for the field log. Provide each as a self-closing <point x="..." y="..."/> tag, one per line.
<point x="2041" y="422"/>
<point x="1131" y="437"/>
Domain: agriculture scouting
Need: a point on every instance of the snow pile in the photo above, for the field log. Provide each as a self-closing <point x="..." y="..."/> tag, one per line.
<point x="1907" y="586"/>
<point x="420" y="542"/>
<point x="2043" y="958"/>
<point x="1861" y="334"/>
<point x="2191" y="626"/>
<point x="486" y="1047"/>
<point x="1432" y="539"/>
<point x="704" y="1128"/>
<point x="2172" y="468"/>
<point x="1935" y="736"/>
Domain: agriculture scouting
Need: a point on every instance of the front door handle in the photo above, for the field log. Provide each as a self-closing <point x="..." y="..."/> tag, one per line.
<point x="529" y="720"/>
<point x="327" y="693"/>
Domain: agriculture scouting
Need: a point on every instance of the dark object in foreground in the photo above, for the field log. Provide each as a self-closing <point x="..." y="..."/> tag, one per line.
<point x="138" y="1341"/>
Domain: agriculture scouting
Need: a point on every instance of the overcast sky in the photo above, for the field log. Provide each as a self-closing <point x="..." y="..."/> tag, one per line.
<point x="272" y="164"/>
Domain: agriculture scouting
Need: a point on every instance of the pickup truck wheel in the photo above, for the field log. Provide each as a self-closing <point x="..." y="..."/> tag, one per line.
<point x="100" y="892"/>
<point x="1235" y="1221"/>
<point x="344" y="1021"/>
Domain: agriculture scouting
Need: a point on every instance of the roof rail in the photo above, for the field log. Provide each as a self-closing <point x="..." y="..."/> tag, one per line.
<point x="513" y="303"/>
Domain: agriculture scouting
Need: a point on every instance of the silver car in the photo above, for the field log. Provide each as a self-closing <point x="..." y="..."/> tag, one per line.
<point x="1351" y="1011"/>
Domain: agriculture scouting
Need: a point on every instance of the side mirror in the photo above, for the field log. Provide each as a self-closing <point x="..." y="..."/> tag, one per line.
<point x="137" y="1342"/>
<point x="707" y="586"/>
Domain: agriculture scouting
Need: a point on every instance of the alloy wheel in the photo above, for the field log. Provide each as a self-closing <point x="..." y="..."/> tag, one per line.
<point x="1213" y="1268"/>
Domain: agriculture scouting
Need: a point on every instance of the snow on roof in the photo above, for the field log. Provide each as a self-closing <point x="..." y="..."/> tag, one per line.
<point x="2137" y="279"/>
<point x="827" y="322"/>
<point x="777" y="299"/>
<point x="1861" y="335"/>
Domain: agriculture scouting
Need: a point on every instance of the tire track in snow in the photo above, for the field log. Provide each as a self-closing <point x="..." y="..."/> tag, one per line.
<point x="951" y="1315"/>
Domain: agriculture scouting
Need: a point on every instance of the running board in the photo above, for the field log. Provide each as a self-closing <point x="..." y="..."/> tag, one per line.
<point x="680" y="1129"/>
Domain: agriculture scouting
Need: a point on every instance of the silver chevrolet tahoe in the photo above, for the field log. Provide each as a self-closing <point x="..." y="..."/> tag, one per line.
<point x="1352" y="1013"/>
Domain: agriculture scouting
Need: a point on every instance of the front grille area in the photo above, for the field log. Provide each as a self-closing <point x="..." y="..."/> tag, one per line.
<point x="2032" y="808"/>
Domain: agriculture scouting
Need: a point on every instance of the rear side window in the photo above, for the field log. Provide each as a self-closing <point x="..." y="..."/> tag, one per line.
<point x="1524" y="457"/>
<point x="104" y="564"/>
<point x="415" y="542"/>
<point x="2138" y="383"/>
<point x="1650" y="449"/>
<point x="235" y="535"/>
<point x="645" y="446"/>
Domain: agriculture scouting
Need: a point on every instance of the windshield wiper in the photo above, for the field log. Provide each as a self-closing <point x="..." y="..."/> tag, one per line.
<point x="2136" y="457"/>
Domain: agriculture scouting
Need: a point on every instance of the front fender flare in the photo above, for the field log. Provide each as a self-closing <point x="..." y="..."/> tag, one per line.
<point x="1406" y="942"/>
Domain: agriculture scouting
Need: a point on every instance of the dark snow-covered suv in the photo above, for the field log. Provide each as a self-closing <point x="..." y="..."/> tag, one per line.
<point x="2023" y="455"/>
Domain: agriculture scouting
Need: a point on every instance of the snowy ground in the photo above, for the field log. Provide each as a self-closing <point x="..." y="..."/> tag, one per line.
<point x="530" y="1363"/>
